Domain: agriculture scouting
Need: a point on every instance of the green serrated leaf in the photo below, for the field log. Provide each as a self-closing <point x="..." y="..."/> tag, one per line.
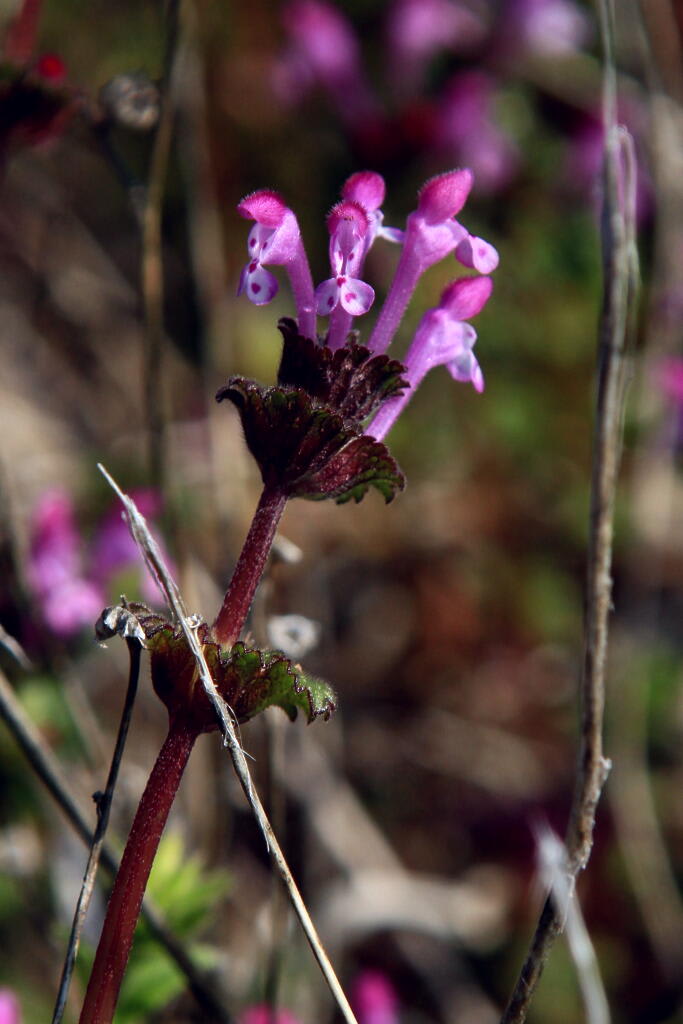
<point x="286" y="686"/>
<point x="249" y="680"/>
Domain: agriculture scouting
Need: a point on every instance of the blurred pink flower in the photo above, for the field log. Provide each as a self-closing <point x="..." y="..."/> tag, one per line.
<point x="669" y="377"/>
<point x="114" y="551"/>
<point x="466" y="126"/>
<point x="323" y="50"/>
<point x="10" y="1012"/>
<point x="547" y="27"/>
<point x="262" y="1014"/>
<point x="68" y="600"/>
<point x="374" y="999"/>
<point x="70" y="590"/>
<point x="418" y="30"/>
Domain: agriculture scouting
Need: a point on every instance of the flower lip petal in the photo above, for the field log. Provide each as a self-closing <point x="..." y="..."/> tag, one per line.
<point x="466" y="297"/>
<point x="327" y="296"/>
<point x="259" y="285"/>
<point x="365" y="187"/>
<point x="392" y="234"/>
<point x="348" y="210"/>
<point x="443" y="196"/>
<point x="265" y="206"/>
<point x="356" y="296"/>
<point x="464" y="367"/>
<point x="477" y="253"/>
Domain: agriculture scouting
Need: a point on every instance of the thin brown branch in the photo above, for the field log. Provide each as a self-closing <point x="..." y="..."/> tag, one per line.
<point x="49" y="771"/>
<point x="152" y="270"/>
<point x="13" y="647"/>
<point x="617" y="312"/>
<point x="152" y="555"/>
<point x="103" y="808"/>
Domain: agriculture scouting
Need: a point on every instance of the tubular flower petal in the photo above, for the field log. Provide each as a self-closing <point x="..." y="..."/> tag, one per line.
<point x="475" y="252"/>
<point x="443" y="338"/>
<point x="349" y="225"/>
<point x="432" y="233"/>
<point x="275" y="239"/>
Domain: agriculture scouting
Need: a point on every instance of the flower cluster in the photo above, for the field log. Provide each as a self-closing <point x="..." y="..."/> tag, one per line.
<point x="459" y="122"/>
<point x="444" y="336"/>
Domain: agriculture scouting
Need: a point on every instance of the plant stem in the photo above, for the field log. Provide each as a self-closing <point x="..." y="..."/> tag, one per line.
<point x="103" y="808"/>
<point x="124" y="904"/>
<point x="249" y="568"/>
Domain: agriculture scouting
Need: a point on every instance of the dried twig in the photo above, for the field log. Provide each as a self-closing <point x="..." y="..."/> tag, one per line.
<point x="104" y="801"/>
<point x="559" y="882"/>
<point x="153" y="557"/>
<point x="48" y="770"/>
<point x="15" y="649"/>
<point x="617" y="312"/>
<point x="152" y="273"/>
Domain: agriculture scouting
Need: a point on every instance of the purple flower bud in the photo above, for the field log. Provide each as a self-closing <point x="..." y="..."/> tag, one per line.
<point x="443" y="338"/>
<point x="275" y="239"/>
<point x="443" y="196"/>
<point x="368" y="189"/>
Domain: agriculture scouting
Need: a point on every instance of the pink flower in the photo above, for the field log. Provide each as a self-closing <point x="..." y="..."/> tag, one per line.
<point x="348" y="225"/>
<point x="10" y="1013"/>
<point x="374" y="999"/>
<point x="275" y="239"/>
<point x="432" y="232"/>
<point x="443" y="338"/>
<point x="324" y="49"/>
<point x="418" y="30"/>
<point x="466" y="126"/>
<point x="669" y="378"/>
<point x="68" y="601"/>
<point x="549" y="27"/>
<point x="114" y="551"/>
<point x="367" y="188"/>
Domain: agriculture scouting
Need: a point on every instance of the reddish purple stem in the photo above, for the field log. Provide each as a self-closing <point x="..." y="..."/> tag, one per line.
<point x="126" y="898"/>
<point x="249" y="568"/>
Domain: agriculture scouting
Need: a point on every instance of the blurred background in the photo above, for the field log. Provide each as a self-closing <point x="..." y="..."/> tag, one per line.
<point x="450" y="622"/>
